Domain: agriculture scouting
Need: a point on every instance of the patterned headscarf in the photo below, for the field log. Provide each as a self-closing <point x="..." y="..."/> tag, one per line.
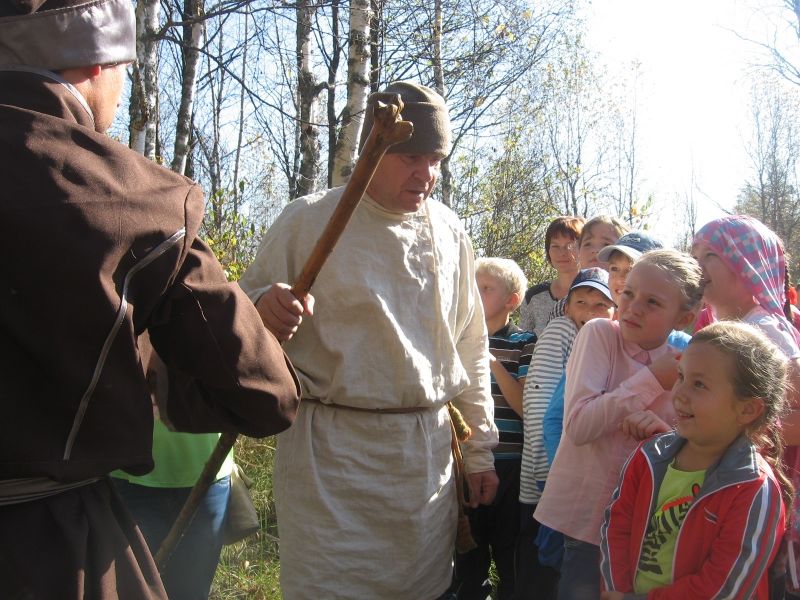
<point x="755" y="253"/>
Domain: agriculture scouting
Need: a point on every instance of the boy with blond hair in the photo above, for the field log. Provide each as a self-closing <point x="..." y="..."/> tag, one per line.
<point x="502" y="285"/>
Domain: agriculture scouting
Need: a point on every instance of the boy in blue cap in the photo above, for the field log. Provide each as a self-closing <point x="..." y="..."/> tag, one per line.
<point x="589" y="298"/>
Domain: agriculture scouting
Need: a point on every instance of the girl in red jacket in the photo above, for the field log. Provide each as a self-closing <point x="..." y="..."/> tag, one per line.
<point x="699" y="512"/>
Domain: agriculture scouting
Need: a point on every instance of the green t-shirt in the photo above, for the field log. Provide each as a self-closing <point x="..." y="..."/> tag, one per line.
<point x="179" y="459"/>
<point x="677" y="492"/>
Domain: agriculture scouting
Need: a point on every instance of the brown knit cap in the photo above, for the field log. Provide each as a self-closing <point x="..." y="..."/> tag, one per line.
<point x="425" y="108"/>
<point x="61" y="34"/>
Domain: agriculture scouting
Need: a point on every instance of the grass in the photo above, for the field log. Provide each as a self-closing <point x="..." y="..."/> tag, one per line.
<point x="250" y="568"/>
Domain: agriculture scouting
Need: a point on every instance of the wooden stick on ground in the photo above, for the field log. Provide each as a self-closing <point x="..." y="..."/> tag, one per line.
<point x="388" y="129"/>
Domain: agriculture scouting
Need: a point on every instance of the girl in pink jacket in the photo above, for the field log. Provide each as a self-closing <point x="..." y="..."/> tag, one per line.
<point x="616" y="369"/>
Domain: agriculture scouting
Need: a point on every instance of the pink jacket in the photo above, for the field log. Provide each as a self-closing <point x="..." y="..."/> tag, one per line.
<point x="607" y="380"/>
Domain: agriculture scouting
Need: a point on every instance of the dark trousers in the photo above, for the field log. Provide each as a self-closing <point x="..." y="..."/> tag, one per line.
<point x="495" y="528"/>
<point x="534" y="581"/>
<point x="580" y="570"/>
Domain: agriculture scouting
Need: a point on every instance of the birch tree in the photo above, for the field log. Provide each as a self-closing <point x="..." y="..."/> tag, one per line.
<point x="474" y="53"/>
<point x="446" y="185"/>
<point x="358" y="67"/>
<point x="144" y="89"/>
<point x="193" y="28"/>
<point x="624" y="190"/>
<point x="771" y="193"/>
<point x="307" y="131"/>
<point x="572" y="124"/>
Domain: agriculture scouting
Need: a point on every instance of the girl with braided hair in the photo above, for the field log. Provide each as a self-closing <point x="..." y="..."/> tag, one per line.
<point x="700" y="511"/>
<point x="744" y="269"/>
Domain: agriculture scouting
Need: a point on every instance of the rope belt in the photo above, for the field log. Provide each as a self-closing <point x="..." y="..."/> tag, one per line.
<point x="400" y="410"/>
<point x="28" y="489"/>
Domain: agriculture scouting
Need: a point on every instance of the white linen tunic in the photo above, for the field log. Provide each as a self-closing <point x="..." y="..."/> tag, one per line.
<point x="366" y="504"/>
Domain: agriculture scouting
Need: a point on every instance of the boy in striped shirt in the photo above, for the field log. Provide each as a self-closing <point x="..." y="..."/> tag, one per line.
<point x="502" y="285"/>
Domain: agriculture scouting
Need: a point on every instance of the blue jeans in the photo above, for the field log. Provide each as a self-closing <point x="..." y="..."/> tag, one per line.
<point x="190" y="570"/>
<point x="580" y="571"/>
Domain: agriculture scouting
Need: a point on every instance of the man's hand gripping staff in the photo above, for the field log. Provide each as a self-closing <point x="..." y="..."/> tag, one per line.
<point x="280" y="309"/>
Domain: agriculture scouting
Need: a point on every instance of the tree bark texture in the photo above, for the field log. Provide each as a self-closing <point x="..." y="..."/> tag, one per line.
<point x="446" y="184"/>
<point x="144" y="93"/>
<point x="192" y="38"/>
<point x="307" y="130"/>
<point x="358" y="67"/>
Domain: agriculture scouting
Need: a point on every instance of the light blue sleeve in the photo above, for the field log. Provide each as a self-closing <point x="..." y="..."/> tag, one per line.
<point x="553" y="423"/>
<point x="679" y="340"/>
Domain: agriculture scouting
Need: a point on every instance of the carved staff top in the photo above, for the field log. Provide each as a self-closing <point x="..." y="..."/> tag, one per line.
<point x="388" y="129"/>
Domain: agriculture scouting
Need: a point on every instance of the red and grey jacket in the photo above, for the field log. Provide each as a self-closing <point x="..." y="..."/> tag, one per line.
<point x="729" y="536"/>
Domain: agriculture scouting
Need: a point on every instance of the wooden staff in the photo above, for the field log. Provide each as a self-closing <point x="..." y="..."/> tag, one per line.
<point x="388" y="129"/>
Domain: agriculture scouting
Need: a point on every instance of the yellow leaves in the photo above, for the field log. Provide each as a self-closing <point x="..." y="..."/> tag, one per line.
<point x="504" y="31"/>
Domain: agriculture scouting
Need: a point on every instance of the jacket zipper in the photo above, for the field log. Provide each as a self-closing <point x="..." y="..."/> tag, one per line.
<point x="695" y="502"/>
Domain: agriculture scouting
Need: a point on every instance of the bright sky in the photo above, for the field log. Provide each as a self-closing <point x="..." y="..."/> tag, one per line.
<point x="693" y="113"/>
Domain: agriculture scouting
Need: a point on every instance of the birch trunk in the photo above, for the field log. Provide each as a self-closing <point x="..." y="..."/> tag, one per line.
<point x="438" y="76"/>
<point x="333" y="68"/>
<point x="307" y="133"/>
<point x="375" y="41"/>
<point x="237" y="192"/>
<point x="192" y="37"/>
<point x="358" y="67"/>
<point x="143" y="104"/>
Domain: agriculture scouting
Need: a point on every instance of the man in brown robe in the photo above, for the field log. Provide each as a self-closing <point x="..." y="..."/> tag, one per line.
<point x="100" y="245"/>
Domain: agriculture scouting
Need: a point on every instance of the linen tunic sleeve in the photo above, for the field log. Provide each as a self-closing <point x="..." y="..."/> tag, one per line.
<point x="592" y="410"/>
<point x="475" y="402"/>
<point x="275" y="261"/>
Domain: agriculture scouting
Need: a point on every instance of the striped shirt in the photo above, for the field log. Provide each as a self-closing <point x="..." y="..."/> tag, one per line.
<point x="558" y="310"/>
<point x="548" y="364"/>
<point x="513" y="348"/>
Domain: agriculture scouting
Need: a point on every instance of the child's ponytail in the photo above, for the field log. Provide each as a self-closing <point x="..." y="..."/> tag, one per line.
<point x="769" y="442"/>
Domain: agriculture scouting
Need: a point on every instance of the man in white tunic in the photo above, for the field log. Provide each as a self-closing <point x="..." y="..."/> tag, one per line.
<point x="363" y="482"/>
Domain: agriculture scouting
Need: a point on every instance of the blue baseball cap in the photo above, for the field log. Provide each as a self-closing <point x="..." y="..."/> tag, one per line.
<point x="594" y="278"/>
<point x="632" y="245"/>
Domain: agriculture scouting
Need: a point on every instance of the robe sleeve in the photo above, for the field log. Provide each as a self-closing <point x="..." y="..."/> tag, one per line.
<point x="475" y="402"/>
<point x="225" y="370"/>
